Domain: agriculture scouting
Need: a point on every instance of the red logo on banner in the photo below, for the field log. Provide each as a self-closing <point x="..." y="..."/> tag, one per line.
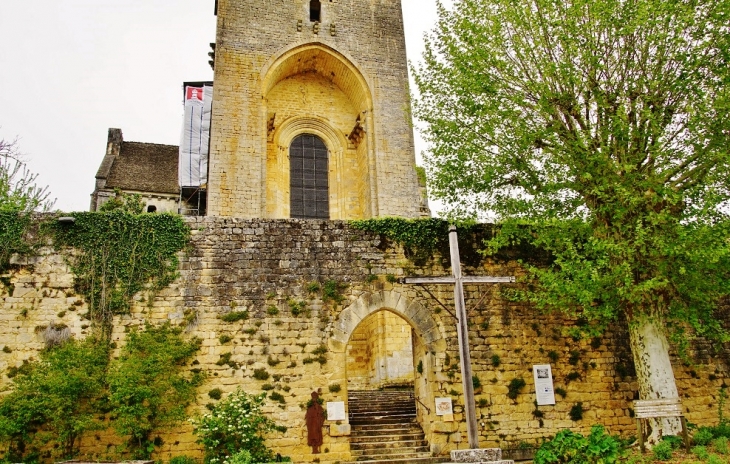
<point x="194" y="93"/>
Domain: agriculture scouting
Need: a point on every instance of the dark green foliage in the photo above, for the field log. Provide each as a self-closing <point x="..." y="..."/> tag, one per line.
<point x="331" y="291"/>
<point x="562" y="392"/>
<point x="62" y="392"/>
<point x="574" y="358"/>
<point x="419" y="368"/>
<point x="476" y="382"/>
<point x="13" y="229"/>
<point x="663" y="451"/>
<point x="514" y="388"/>
<point x="553" y="355"/>
<point x="278" y="397"/>
<point x="216" y="393"/>
<point x="129" y="203"/>
<point x="234" y="316"/>
<point x="335" y="388"/>
<point x="272" y="310"/>
<point x="419" y="237"/>
<point x="573" y="376"/>
<point x="298" y="307"/>
<point x="183" y="460"/>
<point x="576" y="412"/>
<point x="224" y="339"/>
<point x="260" y="374"/>
<point x="572" y="448"/>
<point x="496" y="360"/>
<point x="147" y="384"/>
<point x="119" y="255"/>
<point x="225" y="360"/>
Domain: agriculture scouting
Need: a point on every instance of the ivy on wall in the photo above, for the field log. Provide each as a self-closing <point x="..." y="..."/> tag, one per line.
<point x="117" y="255"/>
<point x="13" y="227"/>
<point x="420" y="238"/>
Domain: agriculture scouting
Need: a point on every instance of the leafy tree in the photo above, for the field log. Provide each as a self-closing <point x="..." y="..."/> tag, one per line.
<point x="18" y="189"/>
<point x="598" y="130"/>
<point x="147" y="386"/>
<point x="55" y="399"/>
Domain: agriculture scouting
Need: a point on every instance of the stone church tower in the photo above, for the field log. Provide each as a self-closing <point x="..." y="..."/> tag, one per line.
<point x="311" y="111"/>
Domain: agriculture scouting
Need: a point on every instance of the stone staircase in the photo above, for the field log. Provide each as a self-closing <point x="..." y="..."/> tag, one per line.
<point x="385" y="430"/>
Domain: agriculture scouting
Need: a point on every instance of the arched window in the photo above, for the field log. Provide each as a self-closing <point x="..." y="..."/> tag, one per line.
<point x="309" y="185"/>
<point x="314" y="10"/>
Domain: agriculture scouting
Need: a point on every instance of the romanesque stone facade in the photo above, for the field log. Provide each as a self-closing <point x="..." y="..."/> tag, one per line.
<point x="333" y="69"/>
<point x="257" y="265"/>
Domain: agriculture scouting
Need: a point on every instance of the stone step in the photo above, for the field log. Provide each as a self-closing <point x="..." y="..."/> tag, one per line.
<point x="367" y="414"/>
<point x="427" y="460"/>
<point x="370" y="438"/>
<point x="382" y="407"/>
<point x="381" y="445"/>
<point x="386" y="429"/>
<point x="394" y="454"/>
<point x="376" y="420"/>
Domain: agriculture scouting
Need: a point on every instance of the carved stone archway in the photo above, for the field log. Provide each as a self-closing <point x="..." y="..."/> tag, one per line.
<point x="418" y="316"/>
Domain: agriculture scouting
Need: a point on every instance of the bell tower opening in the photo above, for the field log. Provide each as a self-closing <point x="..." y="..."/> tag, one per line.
<point x="308" y="178"/>
<point x="315" y="8"/>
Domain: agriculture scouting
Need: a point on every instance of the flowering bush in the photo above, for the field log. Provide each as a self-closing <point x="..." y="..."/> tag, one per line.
<point x="236" y="423"/>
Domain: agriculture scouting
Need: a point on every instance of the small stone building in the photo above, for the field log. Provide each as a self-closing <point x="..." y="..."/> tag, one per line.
<point x="147" y="169"/>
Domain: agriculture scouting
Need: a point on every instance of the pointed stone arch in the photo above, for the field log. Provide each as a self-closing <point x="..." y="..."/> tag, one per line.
<point x="418" y="316"/>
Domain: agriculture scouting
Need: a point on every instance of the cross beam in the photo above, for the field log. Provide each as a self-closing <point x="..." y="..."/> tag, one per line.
<point x="462" y="329"/>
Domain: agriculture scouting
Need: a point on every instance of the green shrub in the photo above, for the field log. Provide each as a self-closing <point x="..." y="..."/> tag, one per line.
<point x="476" y="383"/>
<point x="721" y="445"/>
<point x="272" y="310"/>
<point x="260" y="374"/>
<point x="576" y="412"/>
<point x="234" y="316"/>
<point x="700" y="452"/>
<point x="514" y="388"/>
<point x="703" y="436"/>
<point x="242" y="457"/>
<point x="713" y="459"/>
<point x="335" y="388"/>
<point x="183" y="460"/>
<point x="61" y="393"/>
<point x="496" y="360"/>
<point x="236" y="423"/>
<point x="663" y="451"/>
<point x="148" y="387"/>
<point x="215" y="393"/>
<point x="573" y="448"/>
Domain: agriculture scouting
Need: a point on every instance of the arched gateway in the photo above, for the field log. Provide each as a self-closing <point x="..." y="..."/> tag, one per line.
<point x="387" y="328"/>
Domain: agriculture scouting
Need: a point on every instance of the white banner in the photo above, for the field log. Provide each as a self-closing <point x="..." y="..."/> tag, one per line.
<point x="193" y="166"/>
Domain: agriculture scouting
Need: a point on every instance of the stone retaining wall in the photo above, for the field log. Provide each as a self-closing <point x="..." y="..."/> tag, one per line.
<point x="267" y="267"/>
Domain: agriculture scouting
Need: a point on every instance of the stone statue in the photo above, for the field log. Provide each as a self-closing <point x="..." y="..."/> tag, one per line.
<point x="315" y="421"/>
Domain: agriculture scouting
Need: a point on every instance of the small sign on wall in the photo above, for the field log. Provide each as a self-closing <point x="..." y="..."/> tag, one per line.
<point x="444" y="406"/>
<point x="544" y="390"/>
<point x="336" y="410"/>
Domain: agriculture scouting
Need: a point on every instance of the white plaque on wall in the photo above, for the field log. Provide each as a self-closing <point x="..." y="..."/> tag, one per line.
<point x="336" y="410"/>
<point x="444" y="406"/>
<point x="544" y="390"/>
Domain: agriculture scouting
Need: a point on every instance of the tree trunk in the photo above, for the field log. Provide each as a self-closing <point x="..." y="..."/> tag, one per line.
<point x="654" y="373"/>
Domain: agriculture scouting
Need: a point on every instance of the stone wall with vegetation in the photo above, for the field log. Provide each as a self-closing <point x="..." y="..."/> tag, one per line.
<point x="265" y="297"/>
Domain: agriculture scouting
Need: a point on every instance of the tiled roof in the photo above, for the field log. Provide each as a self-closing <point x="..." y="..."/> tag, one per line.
<point x="146" y="167"/>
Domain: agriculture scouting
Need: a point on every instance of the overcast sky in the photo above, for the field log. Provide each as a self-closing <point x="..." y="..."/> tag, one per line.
<point x="71" y="69"/>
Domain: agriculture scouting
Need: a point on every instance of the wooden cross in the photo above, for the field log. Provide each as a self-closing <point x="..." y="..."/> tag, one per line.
<point x="462" y="330"/>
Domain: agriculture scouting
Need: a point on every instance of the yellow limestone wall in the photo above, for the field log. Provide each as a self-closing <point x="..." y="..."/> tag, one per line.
<point x="380" y="353"/>
<point x="278" y="75"/>
<point x="255" y="264"/>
